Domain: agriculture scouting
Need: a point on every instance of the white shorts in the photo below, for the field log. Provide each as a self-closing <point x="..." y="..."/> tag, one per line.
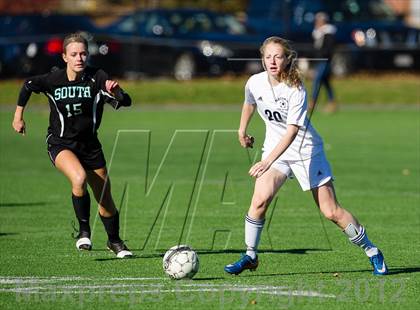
<point x="311" y="173"/>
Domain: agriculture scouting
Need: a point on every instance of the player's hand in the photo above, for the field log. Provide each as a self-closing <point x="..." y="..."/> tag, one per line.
<point x="259" y="168"/>
<point x="111" y="86"/>
<point x="19" y="126"/>
<point x="246" y="140"/>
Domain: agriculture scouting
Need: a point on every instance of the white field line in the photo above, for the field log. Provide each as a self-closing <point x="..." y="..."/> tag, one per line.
<point x="87" y="288"/>
<point x="22" y="280"/>
<point x="43" y="285"/>
<point x="22" y="289"/>
<point x="182" y="290"/>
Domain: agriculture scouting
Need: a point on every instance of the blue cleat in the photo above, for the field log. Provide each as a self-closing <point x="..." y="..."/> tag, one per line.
<point x="245" y="262"/>
<point x="378" y="263"/>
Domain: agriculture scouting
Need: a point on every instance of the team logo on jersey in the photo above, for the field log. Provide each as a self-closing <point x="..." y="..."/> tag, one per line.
<point x="283" y="103"/>
<point x="72" y="92"/>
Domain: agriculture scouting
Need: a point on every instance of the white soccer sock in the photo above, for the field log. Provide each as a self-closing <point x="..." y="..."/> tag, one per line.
<point x="253" y="229"/>
<point x="358" y="236"/>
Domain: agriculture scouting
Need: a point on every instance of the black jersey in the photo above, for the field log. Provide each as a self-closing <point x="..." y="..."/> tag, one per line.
<point x="76" y="107"/>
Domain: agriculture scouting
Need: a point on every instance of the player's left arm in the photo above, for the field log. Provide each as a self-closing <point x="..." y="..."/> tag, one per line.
<point x="119" y="96"/>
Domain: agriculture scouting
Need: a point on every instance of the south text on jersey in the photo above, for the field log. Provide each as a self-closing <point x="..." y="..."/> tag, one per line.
<point x="72" y="92"/>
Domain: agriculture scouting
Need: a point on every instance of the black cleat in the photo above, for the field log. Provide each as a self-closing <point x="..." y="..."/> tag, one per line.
<point x="120" y="249"/>
<point x="83" y="242"/>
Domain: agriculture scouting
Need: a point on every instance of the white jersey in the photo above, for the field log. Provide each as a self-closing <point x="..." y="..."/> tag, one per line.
<point x="280" y="106"/>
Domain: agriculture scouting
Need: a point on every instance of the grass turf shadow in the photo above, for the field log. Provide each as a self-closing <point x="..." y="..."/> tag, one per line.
<point x="285" y="251"/>
<point x="212" y="252"/>
<point x="8" y="234"/>
<point x="392" y="271"/>
<point x="403" y="270"/>
<point x="106" y="259"/>
<point x="25" y="204"/>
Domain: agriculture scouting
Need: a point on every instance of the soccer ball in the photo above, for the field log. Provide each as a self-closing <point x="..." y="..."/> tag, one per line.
<point x="180" y="262"/>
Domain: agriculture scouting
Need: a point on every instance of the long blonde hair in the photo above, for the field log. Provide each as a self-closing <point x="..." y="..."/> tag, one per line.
<point x="290" y="75"/>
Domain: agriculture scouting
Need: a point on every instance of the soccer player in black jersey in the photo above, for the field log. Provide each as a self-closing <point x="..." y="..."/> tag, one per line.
<point x="76" y="97"/>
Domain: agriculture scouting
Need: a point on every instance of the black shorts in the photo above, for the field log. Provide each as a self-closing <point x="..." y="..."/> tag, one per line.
<point x="88" y="152"/>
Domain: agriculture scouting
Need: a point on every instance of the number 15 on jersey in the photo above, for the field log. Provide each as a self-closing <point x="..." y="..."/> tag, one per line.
<point x="74" y="109"/>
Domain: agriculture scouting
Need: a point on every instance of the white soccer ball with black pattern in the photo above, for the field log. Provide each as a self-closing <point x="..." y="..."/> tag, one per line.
<point x="180" y="262"/>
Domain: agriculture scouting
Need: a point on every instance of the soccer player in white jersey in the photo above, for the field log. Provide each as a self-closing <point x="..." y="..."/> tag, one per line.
<point x="291" y="145"/>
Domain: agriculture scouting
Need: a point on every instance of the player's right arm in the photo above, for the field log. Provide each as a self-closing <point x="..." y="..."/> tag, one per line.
<point x="244" y="139"/>
<point x="34" y="84"/>
<point x="18" y="123"/>
<point x="248" y="110"/>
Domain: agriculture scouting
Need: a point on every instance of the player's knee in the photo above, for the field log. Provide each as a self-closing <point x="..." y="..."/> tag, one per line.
<point x="331" y="213"/>
<point x="260" y="202"/>
<point x="79" y="180"/>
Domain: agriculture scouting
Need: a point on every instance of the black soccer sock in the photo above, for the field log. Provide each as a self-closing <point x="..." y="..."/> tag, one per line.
<point x="112" y="227"/>
<point x="81" y="207"/>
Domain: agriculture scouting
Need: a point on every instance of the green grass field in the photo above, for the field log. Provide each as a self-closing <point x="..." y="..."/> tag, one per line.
<point x="384" y="89"/>
<point x="181" y="176"/>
